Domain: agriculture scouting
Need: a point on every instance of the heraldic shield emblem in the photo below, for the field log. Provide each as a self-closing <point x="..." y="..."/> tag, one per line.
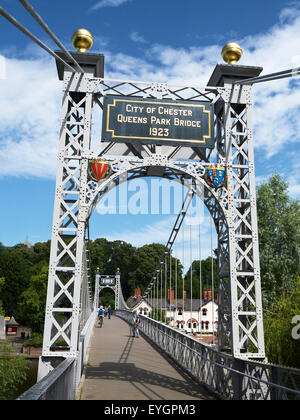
<point x="215" y="176"/>
<point x="98" y="169"/>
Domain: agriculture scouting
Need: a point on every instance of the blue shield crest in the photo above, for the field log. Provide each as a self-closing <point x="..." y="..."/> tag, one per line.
<point x="215" y="176"/>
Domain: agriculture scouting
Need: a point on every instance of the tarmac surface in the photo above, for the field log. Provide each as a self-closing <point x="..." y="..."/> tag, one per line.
<point x="122" y="367"/>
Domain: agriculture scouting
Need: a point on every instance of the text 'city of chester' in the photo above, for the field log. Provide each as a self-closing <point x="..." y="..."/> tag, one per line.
<point x="184" y="123"/>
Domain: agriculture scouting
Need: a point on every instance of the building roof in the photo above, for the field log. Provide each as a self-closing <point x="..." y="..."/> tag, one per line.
<point x="12" y="322"/>
<point x="197" y="304"/>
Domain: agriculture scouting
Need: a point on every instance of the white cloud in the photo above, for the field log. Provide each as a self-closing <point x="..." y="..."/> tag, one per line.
<point x="30" y="109"/>
<point x="107" y="3"/>
<point x="135" y="37"/>
<point x="30" y="96"/>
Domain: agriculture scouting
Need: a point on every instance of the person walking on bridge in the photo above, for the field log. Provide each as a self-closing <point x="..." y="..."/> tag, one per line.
<point x="135" y="325"/>
<point x="109" y="310"/>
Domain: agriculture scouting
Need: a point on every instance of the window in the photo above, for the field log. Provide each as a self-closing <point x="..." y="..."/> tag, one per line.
<point x="145" y="311"/>
<point x="189" y="325"/>
<point x="179" y="311"/>
<point x="194" y="325"/>
<point x="204" y="312"/>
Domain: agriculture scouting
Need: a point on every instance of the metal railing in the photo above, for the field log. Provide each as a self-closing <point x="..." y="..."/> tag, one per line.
<point x="230" y="378"/>
<point x="62" y="383"/>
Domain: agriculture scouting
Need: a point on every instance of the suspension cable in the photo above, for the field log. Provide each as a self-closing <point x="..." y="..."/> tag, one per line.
<point x="166" y="277"/>
<point x="269" y="77"/>
<point x="170" y="293"/>
<point x="43" y="24"/>
<point x="161" y="289"/>
<point x="176" y="280"/>
<point x="191" y="276"/>
<point x="183" y="271"/>
<point x="178" y="223"/>
<point x="157" y="294"/>
<point x="212" y="281"/>
<point x="200" y="279"/>
<point x="22" y="28"/>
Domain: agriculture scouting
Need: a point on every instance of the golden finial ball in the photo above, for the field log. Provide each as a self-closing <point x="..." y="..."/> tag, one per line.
<point x="82" y="40"/>
<point x="232" y="52"/>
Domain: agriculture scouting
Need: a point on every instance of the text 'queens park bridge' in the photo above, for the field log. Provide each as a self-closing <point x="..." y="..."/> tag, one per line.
<point x="199" y="137"/>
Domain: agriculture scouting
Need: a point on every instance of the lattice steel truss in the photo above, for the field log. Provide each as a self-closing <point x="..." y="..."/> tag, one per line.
<point x="233" y="210"/>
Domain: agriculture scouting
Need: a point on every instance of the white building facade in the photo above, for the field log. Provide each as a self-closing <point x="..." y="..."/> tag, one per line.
<point x="192" y="316"/>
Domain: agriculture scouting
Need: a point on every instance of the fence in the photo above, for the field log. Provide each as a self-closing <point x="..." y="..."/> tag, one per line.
<point x="228" y="377"/>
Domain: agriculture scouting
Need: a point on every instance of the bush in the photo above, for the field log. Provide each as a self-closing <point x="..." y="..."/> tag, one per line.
<point x="36" y="341"/>
<point x="13" y="371"/>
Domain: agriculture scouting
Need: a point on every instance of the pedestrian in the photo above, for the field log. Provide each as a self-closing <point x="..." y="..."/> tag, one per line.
<point x="135" y="324"/>
<point x="101" y="316"/>
<point x="109" y="310"/>
<point x="105" y="311"/>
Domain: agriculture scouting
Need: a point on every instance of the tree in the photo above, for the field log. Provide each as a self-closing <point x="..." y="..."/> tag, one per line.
<point x="15" y="267"/>
<point x="13" y="371"/>
<point x="147" y="261"/>
<point x="109" y="256"/>
<point x="279" y="239"/>
<point x="282" y="347"/>
<point x="209" y="275"/>
<point x="34" y="300"/>
<point x="2" y="281"/>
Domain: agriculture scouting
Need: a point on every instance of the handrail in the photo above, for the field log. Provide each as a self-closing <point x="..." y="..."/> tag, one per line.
<point x="224" y="374"/>
<point x="53" y="386"/>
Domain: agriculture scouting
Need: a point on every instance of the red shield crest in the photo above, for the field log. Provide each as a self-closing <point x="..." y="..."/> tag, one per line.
<point x="98" y="169"/>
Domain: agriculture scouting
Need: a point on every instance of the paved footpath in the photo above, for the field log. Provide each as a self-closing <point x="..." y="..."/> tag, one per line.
<point x="122" y="367"/>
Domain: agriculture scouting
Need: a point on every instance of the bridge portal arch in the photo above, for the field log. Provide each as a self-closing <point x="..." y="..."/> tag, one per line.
<point x="233" y="208"/>
<point x="112" y="282"/>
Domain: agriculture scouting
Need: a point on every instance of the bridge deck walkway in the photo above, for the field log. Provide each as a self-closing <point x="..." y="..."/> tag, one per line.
<point x="122" y="367"/>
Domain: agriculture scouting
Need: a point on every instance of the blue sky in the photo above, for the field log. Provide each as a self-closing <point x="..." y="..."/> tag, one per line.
<point x="157" y="40"/>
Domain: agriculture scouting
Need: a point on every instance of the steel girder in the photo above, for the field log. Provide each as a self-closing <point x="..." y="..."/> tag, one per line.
<point x="233" y="210"/>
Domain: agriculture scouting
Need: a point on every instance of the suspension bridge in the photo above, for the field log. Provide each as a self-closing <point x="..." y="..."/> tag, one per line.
<point x="202" y="138"/>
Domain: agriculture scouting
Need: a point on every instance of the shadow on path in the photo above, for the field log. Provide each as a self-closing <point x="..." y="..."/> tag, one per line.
<point x="128" y="372"/>
<point x="120" y="358"/>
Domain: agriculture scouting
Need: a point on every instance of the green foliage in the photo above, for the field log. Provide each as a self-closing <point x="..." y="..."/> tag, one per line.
<point x="279" y="239"/>
<point x="107" y="297"/>
<point x="13" y="371"/>
<point x="26" y="272"/>
<point x="109" y="256"/>
<point x="36" y="341"/>
<point x="158" y="314"/>
<point x="34" y="300"/>
<point x="146" y="261"/>
<point x="209" y="275"/>
<point x="281" y="347"/>
<point x="2" y="281"/>
<point x="17" y="265"/>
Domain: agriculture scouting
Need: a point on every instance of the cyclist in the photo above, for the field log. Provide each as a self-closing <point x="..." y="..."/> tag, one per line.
<point x="101" y="316"/>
